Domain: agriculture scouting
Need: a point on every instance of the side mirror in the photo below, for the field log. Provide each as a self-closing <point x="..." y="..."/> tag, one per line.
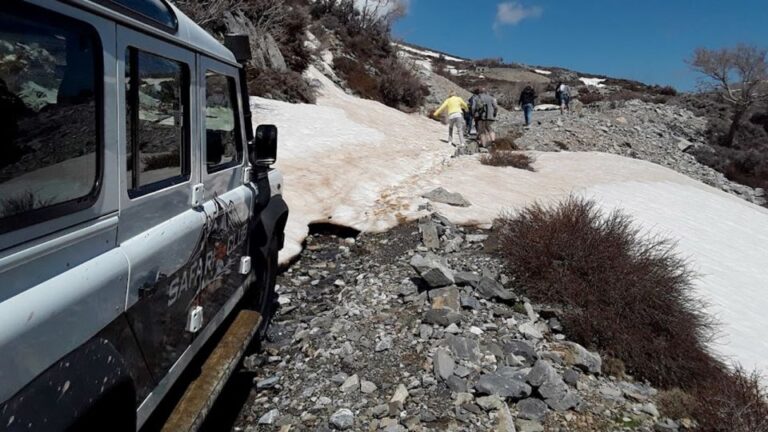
<point x="263" y="151"/>
<point x="240" y="45"/>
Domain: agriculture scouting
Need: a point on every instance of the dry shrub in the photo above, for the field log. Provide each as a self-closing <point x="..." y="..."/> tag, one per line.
<point x="400" y="86"/>
<point x="358" y="78"/>
<point x="733" y="402"/>
<point x="507" y="159"/>
<point x="624" y="293"/>
<point x="509" y="141"/>
<point x="614" y="367"/>
<point x="676" y="404"/>
<point x="629" y="295"/>
<point x="288" y="86"/>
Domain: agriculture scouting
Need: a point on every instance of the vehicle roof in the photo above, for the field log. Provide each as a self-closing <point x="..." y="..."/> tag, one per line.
<point x="187" y="32"/>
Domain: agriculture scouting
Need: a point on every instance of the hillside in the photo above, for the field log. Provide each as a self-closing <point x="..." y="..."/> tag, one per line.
<point x="397" y="311"/>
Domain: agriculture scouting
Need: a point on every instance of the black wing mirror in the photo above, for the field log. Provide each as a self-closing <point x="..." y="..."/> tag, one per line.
<point x="263" y="151"/>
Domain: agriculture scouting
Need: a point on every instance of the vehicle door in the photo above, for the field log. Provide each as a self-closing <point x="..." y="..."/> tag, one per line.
<point x="62" y="278"/>
<point x="226" y="178"/>
<point x="161" y="221"/>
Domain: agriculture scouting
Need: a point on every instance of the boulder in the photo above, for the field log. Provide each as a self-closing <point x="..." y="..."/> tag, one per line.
<point x="442" y="317"/>
<point x="429" y="235"/>
<point x="532" y="409"/>
<point x="443" y="364"/>
<point x="503" y="384"/>
<point x="343" y="419"/>
<point x="490" y="289"/>
<point x="432" y="270"/>
<point x="446" y="298"/>
<point x="576" y="355"/>
<point x="441" y="195"/>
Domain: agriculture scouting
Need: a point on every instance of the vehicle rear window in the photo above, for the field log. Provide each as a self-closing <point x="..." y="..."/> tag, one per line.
<point x="49" y="115"/>
<point x="157" y="90"/>
<point x="222" y="130"/>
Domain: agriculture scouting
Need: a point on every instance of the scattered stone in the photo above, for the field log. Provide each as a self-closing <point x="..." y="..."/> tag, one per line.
<point x="456" y="384"/>
<point x="446" y="298"/>
<point x="453" y="329"/>
<point x="666" y="425"/>
<point x="504" y="420"/>
<point x="367" y="387"/>
<point x="441" y="195"/>
<point x="267" y="383"/>
<point x="521" y="349"/>
<point x="528" y="426"/>
<point x="432" y="270"/>
<point x="398" y="399"/>
<point x="541" y="373"/>
<point x="476" y="238"/>
<point x="470" y="302"/>
<point x="491" y="289"/>
<point x="576" y="355"/>
<point x="650" y="409"/>
<point x="530" y="331"/>
<point x="270" y="417"/>
<point x="443" y="317"/>
<point x="426" y="331"/>
<point x="350" y="384"/>
<point x="443" y="364"/>
<point x="503" y="383"/>
<point x="343" y="419"/>
<point x="429" y="234"/>
<point x="571" y="377"/>
<point x="380" y="411"/>
<point x="466" y="278"/>
<point x="385" y="343"/>
<point x="530" y="312"/>
<point x="532" y="409"/>
<point x="463" y="348"/>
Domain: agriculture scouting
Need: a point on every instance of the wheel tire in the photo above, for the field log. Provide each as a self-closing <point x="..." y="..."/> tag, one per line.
<point x="262" y="296"/>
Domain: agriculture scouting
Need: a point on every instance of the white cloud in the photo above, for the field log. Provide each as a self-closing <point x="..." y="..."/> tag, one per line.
<point x="513" y="12"/>
<point x="384" y="7"/>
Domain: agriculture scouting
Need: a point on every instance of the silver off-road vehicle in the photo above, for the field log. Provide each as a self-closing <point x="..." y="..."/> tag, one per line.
<point x="138" y="211"/>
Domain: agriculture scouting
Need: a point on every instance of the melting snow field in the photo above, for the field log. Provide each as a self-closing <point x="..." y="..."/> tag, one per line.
<point x="360" y="164"/>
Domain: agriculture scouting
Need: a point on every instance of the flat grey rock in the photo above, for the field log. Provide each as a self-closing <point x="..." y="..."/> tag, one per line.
<point x="443" y="364"/>
<point x="441" y="195"/>
<point x="532" y="409"/>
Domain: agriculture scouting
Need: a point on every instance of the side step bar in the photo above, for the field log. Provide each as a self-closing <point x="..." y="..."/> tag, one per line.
<point x="190" y="411"/>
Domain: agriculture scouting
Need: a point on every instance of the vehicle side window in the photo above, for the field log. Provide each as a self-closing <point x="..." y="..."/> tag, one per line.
<point x="50" y="70"/>
<point x="223" y="142"/>
<point x="157" y="113"/>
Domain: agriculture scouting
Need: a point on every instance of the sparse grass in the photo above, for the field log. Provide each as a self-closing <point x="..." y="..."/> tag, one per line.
<point x="629" y="296"/>
<point x="676" y="404"/>
<point x="507" y="159"/>
<point x="614" y="367"/>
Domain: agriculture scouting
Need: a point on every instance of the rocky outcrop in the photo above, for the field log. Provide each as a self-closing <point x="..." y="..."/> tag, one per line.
<point x="663" y="134"/>
<point x="365" y="340"/>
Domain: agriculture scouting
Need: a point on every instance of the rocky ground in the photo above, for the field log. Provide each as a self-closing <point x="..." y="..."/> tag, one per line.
<point x="666" y="135"/>
<point x="420" y="329"/>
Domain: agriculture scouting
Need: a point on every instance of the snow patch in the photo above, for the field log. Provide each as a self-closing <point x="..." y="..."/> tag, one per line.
<point x="427" y="53"/>
<point x="542" y="72"/>
<point x="361" y="164"/>
<point x="594" y="82"/>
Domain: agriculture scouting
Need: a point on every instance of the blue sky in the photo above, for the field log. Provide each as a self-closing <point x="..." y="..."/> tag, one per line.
<point x="646" y="40"/>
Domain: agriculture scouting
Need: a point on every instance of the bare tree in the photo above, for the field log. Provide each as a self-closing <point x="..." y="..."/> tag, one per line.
<point x="739" y="74"/>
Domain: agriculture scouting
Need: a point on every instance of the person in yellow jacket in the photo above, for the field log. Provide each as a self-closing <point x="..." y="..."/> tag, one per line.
<point x="454" y="107"/>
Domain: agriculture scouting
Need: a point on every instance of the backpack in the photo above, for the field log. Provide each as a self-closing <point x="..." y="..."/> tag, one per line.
<point x="479" y="109"/>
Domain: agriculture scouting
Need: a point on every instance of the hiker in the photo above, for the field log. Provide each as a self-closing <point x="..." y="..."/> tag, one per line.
<point x="468" y="117"/>
<point x="563" y="96"/>
<point x="527" y="102"/>
<point x="454" y="106"/>
<point x="485" y="110"/>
